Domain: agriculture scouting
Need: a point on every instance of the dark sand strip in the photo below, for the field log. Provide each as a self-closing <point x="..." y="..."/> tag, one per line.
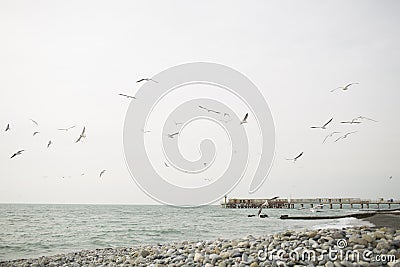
<point x="391" y="220"/>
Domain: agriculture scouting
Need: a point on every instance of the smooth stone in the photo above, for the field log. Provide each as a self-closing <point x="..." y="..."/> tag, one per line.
<point x="368" y="238"/>
<point x="396" y="243"/>
<point x="243" y="244"/>
<point x="347" y="263"/>
<point x="382" y="245"/>
<point x="224" y="255"/>
<point x="198" y="257"/>
<point x="144" y="253"/>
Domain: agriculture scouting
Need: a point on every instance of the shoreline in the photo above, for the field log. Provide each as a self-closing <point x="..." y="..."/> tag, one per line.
<point x="283" y="249"/>
<point x="385" y="219"/>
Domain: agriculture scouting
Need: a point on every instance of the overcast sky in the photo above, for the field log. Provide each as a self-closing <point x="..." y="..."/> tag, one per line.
<point x="63" y="63"/>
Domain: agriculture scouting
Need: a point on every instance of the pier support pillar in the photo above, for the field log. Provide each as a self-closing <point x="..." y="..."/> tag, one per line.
<point x="331" y="206"/>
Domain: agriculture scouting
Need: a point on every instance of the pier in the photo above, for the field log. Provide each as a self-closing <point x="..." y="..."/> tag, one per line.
<point x="303" y="203"/>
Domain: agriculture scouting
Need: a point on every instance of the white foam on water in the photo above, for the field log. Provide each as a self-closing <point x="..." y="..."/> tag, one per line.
<point x="342" y="223"/>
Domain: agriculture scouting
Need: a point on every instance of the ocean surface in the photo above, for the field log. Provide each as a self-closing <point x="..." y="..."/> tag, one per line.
<point x="30" y="230"/>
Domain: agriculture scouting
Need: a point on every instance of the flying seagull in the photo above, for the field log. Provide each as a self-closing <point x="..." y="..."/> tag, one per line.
<point x="17" y="153"/>
<point x="49" y="143"/>
<point x="172" y="135"/>
<point x="391" y="177"/>
<point x="166" y="165"/>
<point x="352" y="121"/>
<point x="344" y="88"/>
<point x="265" y="204"/>
<point x="8" y="128"/>
<point x="146" y="131"/>
<point x="34" y="122"/>
<point x="227" y="114"/>
<point x="210" y="110"/>
<point x="83" y="135"/>
<point x="344" y="136"/>
<point x="330" y="135"/>
<point x="146" y="79"/>
<point x="323" y="126"/>
<point x="245" y="118"/>
<point x="364" y="118"/>
<point x="66" y="129"/>
<point x="127" y="96"/>
<point x="35" y="133"/>
<point x="178" y="123"/>
<point x="102" y="172"/>
<point x="296" y="158"/>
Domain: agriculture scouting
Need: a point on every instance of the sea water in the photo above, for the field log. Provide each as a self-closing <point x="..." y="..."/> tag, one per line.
<point x="33" y="230"/>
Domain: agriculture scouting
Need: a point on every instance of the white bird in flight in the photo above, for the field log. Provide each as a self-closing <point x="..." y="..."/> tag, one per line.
<point x="245" y="118"/>
<point x="344" y="88"/>
<point x="19" y="152"/>
<point x="7" y="128"/>
<point x="352" y="121"/>
<point x="34" y="122"/>
<point x="323" y="127"/>
<point x="330" y="135"/>
<point x="365" y="118"/>
<point x="210" y="110"/>
<point x="83" y="135"/>
<point x="172" y="135"/>
<point x="146" y="79"/>
<point x="297" y="157"/>
<point x="102" y="172"/>
<point x="49" y="144"/>
<point x="35" y="133"/>
<point x="344" y="136"/>
<point x="66" y="129"/>
<point x="266" y="204"/>
<point x="127" y="96"/>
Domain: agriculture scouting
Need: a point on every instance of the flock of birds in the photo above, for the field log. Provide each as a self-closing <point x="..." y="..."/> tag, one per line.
<point x="19" y="152"/>
<point x="341" y="136"/>
<point x="81" y="136"/>
<point x="225" y="117"/>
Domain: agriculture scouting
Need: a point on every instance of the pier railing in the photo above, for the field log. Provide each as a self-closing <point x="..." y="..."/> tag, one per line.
<point x="330" y="203"/>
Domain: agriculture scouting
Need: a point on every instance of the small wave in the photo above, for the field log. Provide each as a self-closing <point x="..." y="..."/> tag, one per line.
<point x="342" y="223"/>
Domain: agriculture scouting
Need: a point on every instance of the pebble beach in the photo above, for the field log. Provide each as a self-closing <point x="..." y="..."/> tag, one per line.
<point x="375" y="246"/>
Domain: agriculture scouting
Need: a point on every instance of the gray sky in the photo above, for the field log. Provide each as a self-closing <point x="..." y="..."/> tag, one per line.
<point x="64" y="62"/>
